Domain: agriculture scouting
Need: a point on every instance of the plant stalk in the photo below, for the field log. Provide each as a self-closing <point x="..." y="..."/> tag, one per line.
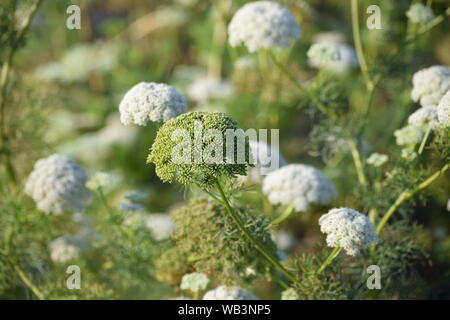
<point x="261" y="247"/>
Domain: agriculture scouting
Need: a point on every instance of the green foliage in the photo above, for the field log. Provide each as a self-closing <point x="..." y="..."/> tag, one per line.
<point x="208" y="241"/>
<point x="190" y="132"/>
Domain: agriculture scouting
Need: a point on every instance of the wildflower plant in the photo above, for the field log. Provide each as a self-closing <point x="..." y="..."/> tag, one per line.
<point x="363" y="157"/>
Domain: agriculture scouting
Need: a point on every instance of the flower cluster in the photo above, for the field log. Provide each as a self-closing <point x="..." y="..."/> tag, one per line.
<point x="195" y="282"/>
<point x="348" y="229"/>
<point x="160" y="224"/>
<point x="150" y="101"/>
<point x="263" y="25"/>
<point x="289" y="294"/>
<point x="430" y="84"/>
<point x="65" y="249"/>
<point x="424" y="118"/>
<point x="298" y="185"/>
<point x="408" y="136"/>
<point x="418" y="13"/>
<point x="262" y="156"/>
<point x="332" y="56"/>
<point x="204" y="174"/>
<point x="443" y="110"/>
<point x="377" y="159"/>
<point x="207" y="89"/>
<point x="57" y="185"/>
<point x="229" y="293"/>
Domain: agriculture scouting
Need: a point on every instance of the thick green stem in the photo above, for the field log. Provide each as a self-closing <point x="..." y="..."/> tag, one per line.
<point x="357" y="161"/>
<point x="260" y="246"/>
<point x="358" y="45"/>
<point x="406" y="195"/>
<point x="286" y="214"/>
<point x="329" y="259"/>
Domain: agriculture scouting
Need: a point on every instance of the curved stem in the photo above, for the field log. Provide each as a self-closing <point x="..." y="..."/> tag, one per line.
<point x="357" y="161"/>
<point x="289" y="210"/>
<point x="260" y="246"/>
<point x="358" y="45"/>
<point x="302" y="89"/>
<point x="329" y="259"/>
<point x="406" y="195"/>
<point x="28" y="282"/>
<point x="424" y="140"/>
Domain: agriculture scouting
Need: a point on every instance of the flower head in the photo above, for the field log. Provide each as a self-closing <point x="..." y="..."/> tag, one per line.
<point x="150" y="101"/>
<point x="298" y="185"/>
<point x="57" y="185"/>
<point x="64" y="249"/>
<point x="207" y="89"/>
<point x="430" y="84"/>
<point x="424" y="118"/>
<point x="100" y="180"/>
<point x="160" y="225"/>
<point x="377" y="159"/>
<point x="409" y="136"/>
<point x="348" y="229"/>
<point x="195" y="282"/>
<point x="263" y="157"/>
<point x="289" y="294"/>
<point x="184" y="147"/>
<point x="418" y="13"/>
<point x="332" y="56"/>
<point x="443" y="110"/>
<point x="263" y="25"/>
<point x="229" y="293"/>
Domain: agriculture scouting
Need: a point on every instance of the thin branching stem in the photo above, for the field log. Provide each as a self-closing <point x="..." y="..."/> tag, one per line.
<point x="358" y="45"/>
<point x="329" y="259"/>
<point x="260" y="246"/>
<point x="22" y="275"/>
<point x="302" y="89"/>
<point x="357" y="161"/>
<point x="406" y="195"/>
<point x="286" y="214"/>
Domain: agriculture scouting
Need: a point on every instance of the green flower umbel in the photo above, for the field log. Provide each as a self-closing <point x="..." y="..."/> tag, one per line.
<point x="199" y="147"/>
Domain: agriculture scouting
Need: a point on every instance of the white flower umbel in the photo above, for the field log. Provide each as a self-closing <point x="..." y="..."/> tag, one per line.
<point x="298" y="185"/>
<point x="100" y="180"/>
<point x="289" y="294"/>
<point x="66" y="248"/>
<point x="424" y="118"/>
<point x="207" y="89"/>
<point x="263" y="25"/>
<point x="430" y="84"/>
<point x="160" y="225"/>
<point x="418" y="13"/>
<point x="377" y="159"/>
<point x="150" y="101"/>
<point x="195" y="282"/>
<point x="348" y="229"/>
<point x="332" y="56"/>
<point x="409" y="136"/>
<point x="263" y="156"/>
<point x="443" y="110"/>
<point x="57" y="185"/>
<point x="229" y="293"/>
